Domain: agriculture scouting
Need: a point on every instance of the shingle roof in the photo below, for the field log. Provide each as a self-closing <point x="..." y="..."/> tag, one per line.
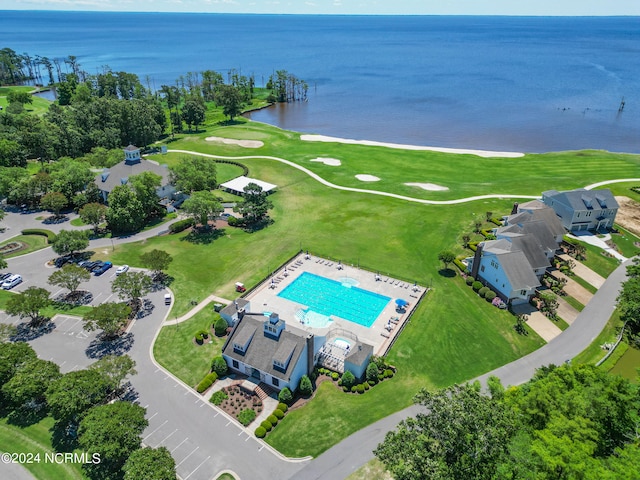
<point x="518" y="271"/>
<point x="581" y="199"/>
<point x="263" y="349"/>
<point x="234" y="306"/>
<point x="124" y="170"/>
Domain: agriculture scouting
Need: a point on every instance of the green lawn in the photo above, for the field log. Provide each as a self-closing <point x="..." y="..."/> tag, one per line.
<point x="594" y="353"/>
<point x="453" y="336"/>
<point x="33" y="243"/>
<point x="599" y="263"/>
<point x="582" y="282"/>
<point x="36" y="439"/>
<point x="573" y="302"/>
<point x="49" y="311"/>
<point x="39" y="105"/>
<point x="625" y="241"/>
<point x="177" y="352"/>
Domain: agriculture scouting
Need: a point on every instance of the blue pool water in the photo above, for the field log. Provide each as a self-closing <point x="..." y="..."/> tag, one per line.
<point x="328" y="297"/>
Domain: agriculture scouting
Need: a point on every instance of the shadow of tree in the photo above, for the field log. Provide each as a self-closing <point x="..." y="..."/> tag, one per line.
<point x="28" y="331"/>
<point x="145" y="309"/>
<point x="161" y="281"/>
<point x="102" y="346"/>
<point x="64" y="436"/>
<point x="227" y="123"/>
<point x="25" y="416"/>
<point x="203" y="237"/>
<point x="447" y="272"/>
<point x="257" y="226"/>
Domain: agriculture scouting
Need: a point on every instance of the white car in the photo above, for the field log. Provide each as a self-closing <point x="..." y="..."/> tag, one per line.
<point x="11" y="282"/>
<point x="122" y="269"/>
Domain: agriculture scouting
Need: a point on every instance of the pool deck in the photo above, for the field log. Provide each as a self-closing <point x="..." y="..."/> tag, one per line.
<point x="265" y="299"/>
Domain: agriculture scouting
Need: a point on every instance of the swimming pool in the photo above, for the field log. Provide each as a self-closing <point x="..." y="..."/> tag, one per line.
<point x="328" y="297"/>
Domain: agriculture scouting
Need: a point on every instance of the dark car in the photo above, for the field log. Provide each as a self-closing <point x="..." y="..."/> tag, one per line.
<point x="61" y="261"/>
<point x="4" y="276"/>
<point x="97" y="265"/>
<point x="88" y="264"/>
<point x="105" y="266"/>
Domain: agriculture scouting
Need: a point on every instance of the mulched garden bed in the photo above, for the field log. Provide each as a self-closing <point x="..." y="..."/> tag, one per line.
<point x="239" y="400"/>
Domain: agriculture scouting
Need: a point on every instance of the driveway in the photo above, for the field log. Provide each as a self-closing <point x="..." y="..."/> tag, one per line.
<point x="584" y="272"/>
<point x="354" y="451"/>
<point x="573" y="288"/>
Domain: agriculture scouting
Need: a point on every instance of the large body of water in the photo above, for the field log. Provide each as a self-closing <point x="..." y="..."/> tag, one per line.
<point x="503" y="83"/>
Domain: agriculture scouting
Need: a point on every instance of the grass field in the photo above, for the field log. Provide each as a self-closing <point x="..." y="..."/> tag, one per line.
<point x="594" y="353"/>
<point x="177" y="352"/>
<point x="36" y="439"/>
<point x="453" y="336"/>
<point x="39" y="105"/>
<point x="32" y="242"/>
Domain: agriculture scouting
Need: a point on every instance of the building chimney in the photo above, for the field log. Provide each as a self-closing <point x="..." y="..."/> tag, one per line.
<point x="514" y="210"/>
<point x="310" y="354"/>
<point x="476" y="261"/>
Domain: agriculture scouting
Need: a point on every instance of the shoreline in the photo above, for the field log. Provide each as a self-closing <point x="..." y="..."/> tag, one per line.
<point x="460" y="151"/>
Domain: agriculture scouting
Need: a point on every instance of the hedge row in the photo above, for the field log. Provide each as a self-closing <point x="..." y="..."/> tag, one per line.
<point x="245" y="169"/>
<point x="473" y="246"/>
<point x="461" y="266"/>
<point x="496" y="221"/>
<point x="271" y="421"/>
<point x="51" y="237"/>
<point x="181" y="225"/>
<point x="206" y="382"/>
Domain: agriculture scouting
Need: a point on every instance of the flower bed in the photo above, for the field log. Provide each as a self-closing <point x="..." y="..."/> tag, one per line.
<point x="239" y="400"/>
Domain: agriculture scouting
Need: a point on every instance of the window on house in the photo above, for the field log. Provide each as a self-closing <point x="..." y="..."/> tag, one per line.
<point x="523" y="292"/>
<point x="235" y="364"/>
<point x="494" y="264"/>
<point x="482" y="268"/>
<point x="275" y="382"/>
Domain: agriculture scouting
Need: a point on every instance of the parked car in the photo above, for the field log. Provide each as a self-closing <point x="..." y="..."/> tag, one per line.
<point x="11" y="282"/>
<point x="97" y="265"/>
<point x="122" y="269"/>
<point x="105" y="266"/>
<point x="4" y="276"/>
<point x="61" y="261"/>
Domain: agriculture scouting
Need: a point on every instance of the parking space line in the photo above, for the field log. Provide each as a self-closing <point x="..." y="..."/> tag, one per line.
<point x="179" y="444"/>
<point x="165" y="438"/>
<point x="194" y="470"/>
<point x="185" y="392"/>
<point x="155" y="430"/>
<point x="152" y="415"/>
<point x="192" y="452"/>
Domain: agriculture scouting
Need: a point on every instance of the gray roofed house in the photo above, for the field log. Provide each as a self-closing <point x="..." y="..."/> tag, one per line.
<point x="133" y="164"/>
<point x="538" y="229"/>
<point x="536" y="211"/>
<point x="265" y="349"/>
<point x="582" y="209"/>
<point x="236" y="308"/>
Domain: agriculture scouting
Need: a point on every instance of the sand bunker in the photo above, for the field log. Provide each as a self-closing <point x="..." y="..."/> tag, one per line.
<point x="367" y="178"/>
<point x="428" y="186"/>
<point x="479" y="153"/>
<point x="240" y="143"/>
<point x="332" y="162"/>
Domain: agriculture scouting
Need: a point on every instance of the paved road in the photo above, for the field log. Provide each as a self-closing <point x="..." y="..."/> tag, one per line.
<point x="356" y="450"/>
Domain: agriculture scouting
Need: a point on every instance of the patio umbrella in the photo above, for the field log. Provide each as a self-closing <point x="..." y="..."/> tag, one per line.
<point x="401" y="302"/>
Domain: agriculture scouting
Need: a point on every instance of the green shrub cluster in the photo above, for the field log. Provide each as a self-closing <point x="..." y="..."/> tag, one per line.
<point x="246" y="416"/>
<point x="283" y="407"/>
<point x="496" y="221"/>
<point x="181" y="225"/>
<point x="220" y="327"/>
<point x="219" y="365"/>
<point x="335" y="376"/>
<point x="388" y="373"/>
<point x="285" y="396"/>
<point x="266" y="424"/>
<point x="279" y="414"/>
<point x="476" y="286"/>
<point x="235" y="221"/>
<point x="201" y="336"/>
<point x="260" y="432"/>
<point x="490" y="295"/>
<point x="470" y="280"/>
<point x="273" y="420"/>
<point x="218" y="397"/>
<point x="206" y="382"/>
<point x="482" y="292"/>
<point x="473" y="246"/>
<point x="51" y="237"/>
<point x="461" y="266"/>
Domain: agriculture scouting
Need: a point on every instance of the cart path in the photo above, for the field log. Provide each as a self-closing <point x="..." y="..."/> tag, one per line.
<point x="318" y="178"/>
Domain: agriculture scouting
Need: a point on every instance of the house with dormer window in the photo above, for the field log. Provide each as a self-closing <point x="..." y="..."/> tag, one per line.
<point x="267" y="350"/>
<point x="133" y="164"/>
<point x="581" y="209"/>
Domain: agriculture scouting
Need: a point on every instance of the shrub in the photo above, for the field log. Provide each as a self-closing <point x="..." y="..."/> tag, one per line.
<point x="218" y="397"/>
<point x="279" y="414"/>
<point x="470" y="280"/>
<point x="373" y="382"/>
<point x="220" y="327"/>
<point x="181" y="225"/>
<point x="473" y="246"/>
<point x="246" y="416"/>
<point x="234" y="221"/>
<point x="490" y="295"/>
<point x="353" y="389"/>
<point x="366" y="385"/>
<point x="483" y="291"/>
<point x="285" y="396"/>
<point x="219" y="365"/>
<point x="476" y="286"/>
<point x="348" y="379"/>
<point x="345" y="389"/>
<point x="260" y="432"/>
<point x="206" y="382"/>
<point x="360" y="388"/>
<point x="372" y="371"/>
<point x="199" y="338"/>
<point x="266" y="424"/>
<point x="51" y="237"/>
<point x="335" y="376"/>
<point x="273" y="420"/>
<point x="461" y="266"/>
<point x="283" y="407"/>
<point x="388" y="373"/>
<point x="305" y="388"/>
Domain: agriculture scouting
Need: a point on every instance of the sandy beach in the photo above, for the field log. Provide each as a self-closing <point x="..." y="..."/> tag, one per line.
<point x="479" y="153"/>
